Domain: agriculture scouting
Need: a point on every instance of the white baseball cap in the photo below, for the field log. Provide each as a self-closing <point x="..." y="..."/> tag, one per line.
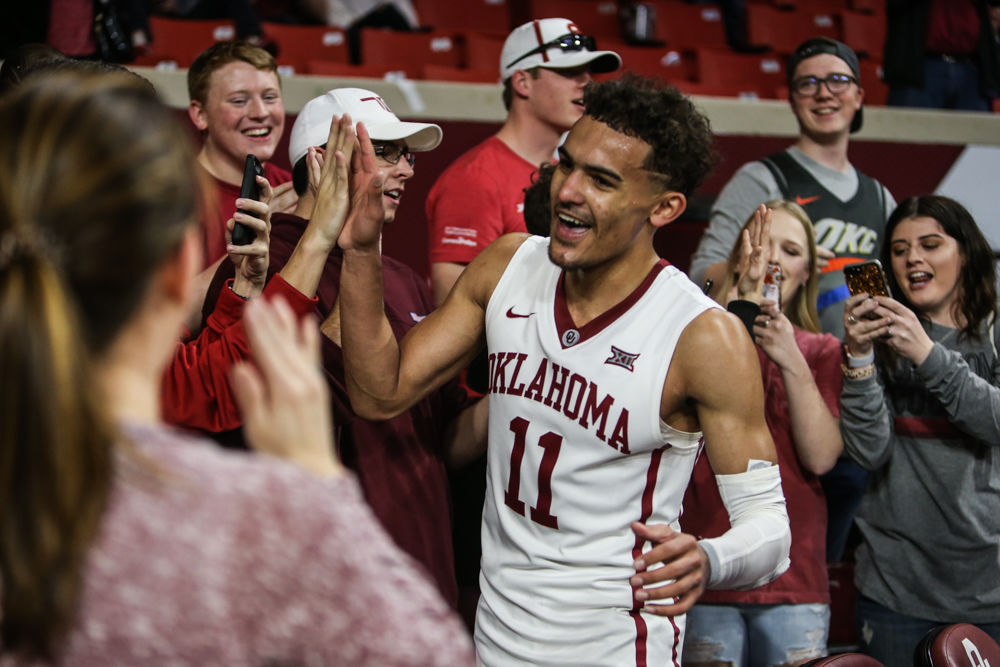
<point x="312" y="125"/>
<point x="553" y="44"/>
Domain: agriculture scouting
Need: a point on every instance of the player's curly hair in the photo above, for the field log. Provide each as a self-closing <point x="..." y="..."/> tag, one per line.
<point x="679" y="134"/>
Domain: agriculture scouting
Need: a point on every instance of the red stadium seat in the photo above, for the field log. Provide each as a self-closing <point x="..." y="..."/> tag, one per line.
<point x="684" y="26"/>
<point x="298" y="44"/>
<point x="739" y="91"/>
<point x="782" y="31"/>
<point x="328" y="68"/>
<point x="812" y="6"/>
<point x="661" y="61"/>
<point x="868" y="6"/>
<point x="956" y="645"/>
<point x="876" y="90"/>
<point x="410" y="51"/>
<point x="181" y="40"/>
<point x="433" y="72"/>
<point x="760" y="72"/>
<point x="482" y="49"/>
<point x="865" y="33"/>
<point x="464" y="15"/>
<point x="598" y="18"/>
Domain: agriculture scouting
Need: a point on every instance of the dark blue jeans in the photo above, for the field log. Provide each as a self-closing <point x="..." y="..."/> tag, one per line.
<point x="843" y="487"/>
<point x="891" y="637"/>
<point x="948" y="84"/>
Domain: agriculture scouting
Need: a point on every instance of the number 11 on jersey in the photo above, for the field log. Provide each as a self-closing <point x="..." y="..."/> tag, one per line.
<point x="551" y="443"/>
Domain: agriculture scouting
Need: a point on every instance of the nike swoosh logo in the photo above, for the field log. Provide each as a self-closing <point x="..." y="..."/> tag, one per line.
<point x="802" y="201"/>
<point x="511" y="314"/>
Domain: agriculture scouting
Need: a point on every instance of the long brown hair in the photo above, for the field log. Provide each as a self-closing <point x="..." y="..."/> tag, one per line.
<point x="977" y="292"/>
<point x="97" y="190"/>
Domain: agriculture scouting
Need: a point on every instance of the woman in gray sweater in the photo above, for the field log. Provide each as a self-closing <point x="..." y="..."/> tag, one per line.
<point x="920" y="410"/>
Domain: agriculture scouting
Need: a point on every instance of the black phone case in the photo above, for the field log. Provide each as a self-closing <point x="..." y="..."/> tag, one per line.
<point x="243" y="235"/>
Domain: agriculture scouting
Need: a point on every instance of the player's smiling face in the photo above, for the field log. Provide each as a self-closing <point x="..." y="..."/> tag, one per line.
<point x="601" y="197"/>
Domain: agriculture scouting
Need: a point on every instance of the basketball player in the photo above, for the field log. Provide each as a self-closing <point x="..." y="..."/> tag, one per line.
<point x="607" y="366"/>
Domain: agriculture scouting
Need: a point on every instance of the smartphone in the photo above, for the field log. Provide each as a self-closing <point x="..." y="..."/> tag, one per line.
<point x="772" y="284"/>
<point x="867" y="277"/>
<point x="243" y="235"/>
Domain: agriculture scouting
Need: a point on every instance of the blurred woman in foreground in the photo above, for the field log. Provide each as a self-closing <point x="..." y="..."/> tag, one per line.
<point x="123" y="541"/>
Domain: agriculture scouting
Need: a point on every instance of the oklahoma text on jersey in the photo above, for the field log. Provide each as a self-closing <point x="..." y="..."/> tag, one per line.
<point x="555" y="387"/>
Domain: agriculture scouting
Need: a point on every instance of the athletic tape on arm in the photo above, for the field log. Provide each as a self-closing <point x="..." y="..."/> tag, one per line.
<point x="755" y="550"/>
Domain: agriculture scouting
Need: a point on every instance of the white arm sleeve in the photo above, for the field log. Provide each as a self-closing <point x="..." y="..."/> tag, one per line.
<point x="754" y="550"/>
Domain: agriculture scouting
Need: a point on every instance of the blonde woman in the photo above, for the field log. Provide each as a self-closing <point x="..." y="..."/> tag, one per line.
<point x="801" y="375"/>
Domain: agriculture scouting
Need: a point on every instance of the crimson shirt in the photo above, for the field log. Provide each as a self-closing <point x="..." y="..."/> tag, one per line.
<point x="952" y="27"/>
<point x="705" y="516"/>
<point x="195" y="391"/>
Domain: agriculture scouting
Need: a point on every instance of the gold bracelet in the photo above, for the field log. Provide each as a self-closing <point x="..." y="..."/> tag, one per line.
<point x="857" y="373"/>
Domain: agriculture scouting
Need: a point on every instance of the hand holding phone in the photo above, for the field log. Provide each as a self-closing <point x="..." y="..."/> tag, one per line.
<point x="867" y="277"/>
<point x="243" y="235"/>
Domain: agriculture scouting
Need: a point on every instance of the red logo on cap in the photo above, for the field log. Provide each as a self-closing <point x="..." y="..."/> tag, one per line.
<point x="572" y="27"/>
<point x="377" y="100"/>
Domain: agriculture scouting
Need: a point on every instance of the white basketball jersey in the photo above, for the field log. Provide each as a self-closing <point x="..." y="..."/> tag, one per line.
<point x="577" y="452"/>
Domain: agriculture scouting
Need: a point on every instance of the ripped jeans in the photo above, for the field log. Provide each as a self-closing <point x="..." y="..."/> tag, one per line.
<point x="756" y="635"/>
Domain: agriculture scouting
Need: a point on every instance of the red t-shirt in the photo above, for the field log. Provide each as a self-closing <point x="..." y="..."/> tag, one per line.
<point x="213" y="224"/>
<point x="477" y="199"/>
<point x="195" y="392"/>
<point x="952" y="27"/>
<point x="705" y="516"/>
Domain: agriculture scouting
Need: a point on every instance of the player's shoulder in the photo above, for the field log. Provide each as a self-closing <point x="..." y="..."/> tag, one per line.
<point x="500" y="252"/>
<point x="714" y="334"/>
<point x="484" y="272"/>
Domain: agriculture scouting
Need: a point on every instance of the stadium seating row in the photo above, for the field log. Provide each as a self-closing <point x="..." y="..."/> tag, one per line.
<point x="698" y="66"/>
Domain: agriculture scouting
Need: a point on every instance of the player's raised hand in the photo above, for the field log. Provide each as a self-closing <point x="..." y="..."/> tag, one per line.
<point x="363" y="229"/>
<point x="672" y="588"/>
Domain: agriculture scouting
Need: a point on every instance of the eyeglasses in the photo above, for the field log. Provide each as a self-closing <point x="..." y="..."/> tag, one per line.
<point x="835" y="83"/>
<point x="573" y="41"/>
<point x="391" y="153"/>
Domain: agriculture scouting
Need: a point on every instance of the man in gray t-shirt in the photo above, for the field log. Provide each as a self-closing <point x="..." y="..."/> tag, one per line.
<point x="848" y="209"/>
